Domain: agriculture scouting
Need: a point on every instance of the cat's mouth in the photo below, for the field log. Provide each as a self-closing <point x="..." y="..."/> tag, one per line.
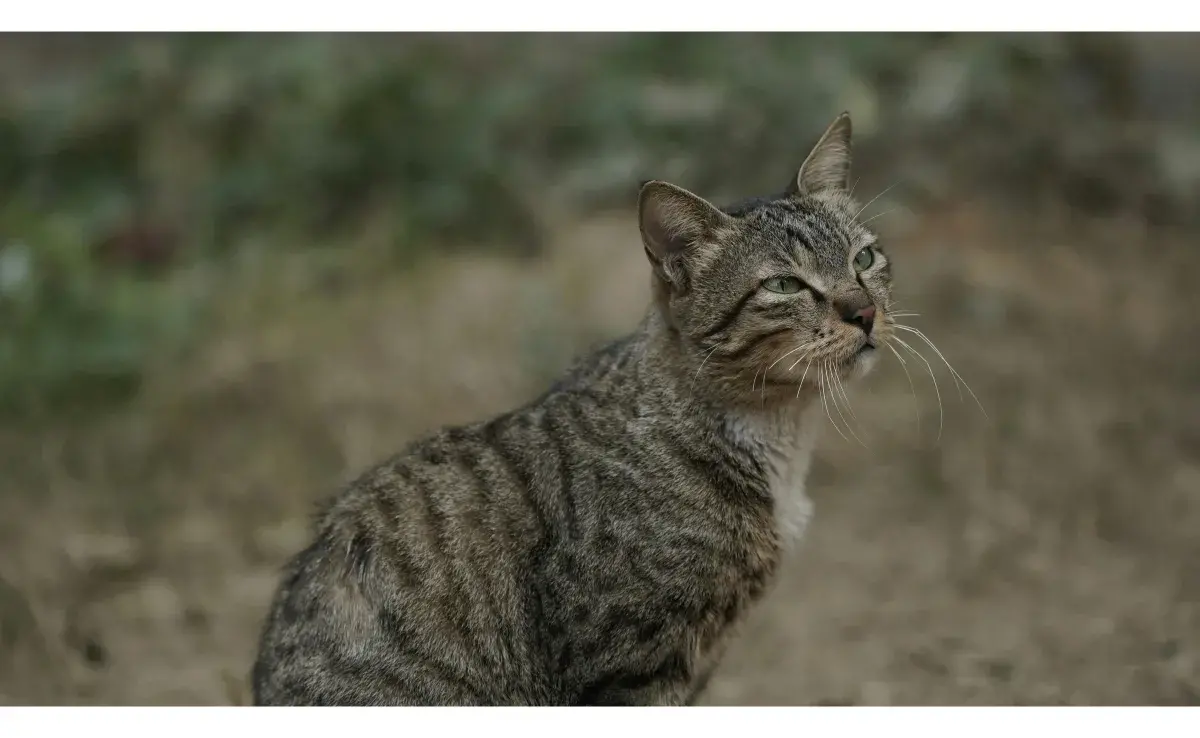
<point x="860" y="361"/>
<point x="866" y="348"/>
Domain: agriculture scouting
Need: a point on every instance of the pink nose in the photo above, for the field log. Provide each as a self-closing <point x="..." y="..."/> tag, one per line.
<point x="863" y="317"/>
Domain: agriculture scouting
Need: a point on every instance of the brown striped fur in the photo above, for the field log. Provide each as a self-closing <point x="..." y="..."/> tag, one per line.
<point x="598" y="546"/>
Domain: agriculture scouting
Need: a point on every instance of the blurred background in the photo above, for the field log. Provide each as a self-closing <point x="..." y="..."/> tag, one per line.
<point x="235" y="270"/>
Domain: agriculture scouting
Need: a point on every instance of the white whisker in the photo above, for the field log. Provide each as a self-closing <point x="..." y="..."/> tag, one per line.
<point x="937" y="391"/>
<point x="878" y="215"/>
<point x="802" y="357"/>
<point x="801" y="347"/>
<point x="702" y="363"/>
<point x="833" y="385"/>
<point x="873" y="199"/>
<point x="821" y="384"/>
<point x="954" y="373"/>
<point x="842" y="386"/>
<point x="912" y="387"/>
<point x="802" y="377"/>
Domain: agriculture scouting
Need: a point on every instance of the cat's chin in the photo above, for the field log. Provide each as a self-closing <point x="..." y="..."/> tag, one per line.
<point x="861" y="362"/>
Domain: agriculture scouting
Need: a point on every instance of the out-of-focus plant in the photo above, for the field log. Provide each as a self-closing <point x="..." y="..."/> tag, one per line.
<point x="146" y="161"/>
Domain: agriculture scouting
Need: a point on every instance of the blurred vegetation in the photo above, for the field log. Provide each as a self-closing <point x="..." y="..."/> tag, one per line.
<point x="140" y="173"/>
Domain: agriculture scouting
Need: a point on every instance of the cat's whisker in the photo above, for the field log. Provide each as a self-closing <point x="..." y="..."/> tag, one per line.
<point x="936" y="390"/>
<point x="912" y="387"/>
<point x="821" y="386"/>
<point x="873" y="199"/>
<point x="954" y="373"/>
<point x="801" y="347"/>
<point x="878" y="215"/>
<point x="829" y="415"/>
<point x="807" y="354"/>
<point x="836" y="381"/>
<point x="802" y="377"/>
<point x="833" y="395"/>
<point x="702" y="363"/>
<point x="842" y="388"/>
<point x="850" y="407"/>
<point x="802" y="357"/>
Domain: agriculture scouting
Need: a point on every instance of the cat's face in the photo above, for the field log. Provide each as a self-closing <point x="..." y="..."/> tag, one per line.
<point x="775" y="292"/>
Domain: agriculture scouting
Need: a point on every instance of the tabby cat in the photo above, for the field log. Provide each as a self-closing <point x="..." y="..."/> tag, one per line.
<point x="598" y="546"/>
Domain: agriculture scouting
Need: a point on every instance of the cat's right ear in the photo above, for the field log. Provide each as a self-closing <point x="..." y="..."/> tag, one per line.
<point x="828" y="165"/>
<point x="676" y="227"/>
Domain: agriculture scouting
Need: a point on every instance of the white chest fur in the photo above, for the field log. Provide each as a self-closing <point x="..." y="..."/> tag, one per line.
<point x="787" y="442"/>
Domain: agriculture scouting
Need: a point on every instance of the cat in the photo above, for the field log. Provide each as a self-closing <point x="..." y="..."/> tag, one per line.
<point x="599" y="545"/>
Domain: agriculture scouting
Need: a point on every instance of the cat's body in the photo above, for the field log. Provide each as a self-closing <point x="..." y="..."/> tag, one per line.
<point x="598" y="545"/>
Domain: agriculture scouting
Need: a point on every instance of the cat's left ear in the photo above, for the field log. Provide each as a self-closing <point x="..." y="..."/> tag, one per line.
<point x="828" y="165"/>
<point x="677" y="227"/>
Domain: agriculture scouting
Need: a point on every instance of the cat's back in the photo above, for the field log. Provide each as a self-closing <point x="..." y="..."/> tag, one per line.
<point x="415" y="588"/>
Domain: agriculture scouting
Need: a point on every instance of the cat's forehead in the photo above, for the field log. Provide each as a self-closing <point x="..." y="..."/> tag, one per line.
<point x="816" y="233"/>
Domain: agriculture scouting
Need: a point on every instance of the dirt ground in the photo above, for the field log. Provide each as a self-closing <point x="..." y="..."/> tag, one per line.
<point x="1044" y="554"/>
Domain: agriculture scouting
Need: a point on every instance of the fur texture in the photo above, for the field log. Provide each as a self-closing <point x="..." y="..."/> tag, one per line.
<point x="598" y="546"/>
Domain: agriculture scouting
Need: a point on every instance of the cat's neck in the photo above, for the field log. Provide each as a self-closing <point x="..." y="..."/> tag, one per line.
<point x="779" y="425"/>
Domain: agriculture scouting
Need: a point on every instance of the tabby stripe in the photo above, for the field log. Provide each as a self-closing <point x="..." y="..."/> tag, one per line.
<point x="435" y="519"/>
<point x="554" y="432"/>
<point x="749" y="464"/>
<point x="798" y="237"/>
<point x="712" y="471"/>
<point x="731" y="316"/>
<point x="601" y="691"/>
<point x="406" y="642"/>
<point x="400" y="557"/>
<point x="750" y="345"/>
<point x="513" y="464"/>
<point x="780" y="310"/>
<point x="477" y="567"/>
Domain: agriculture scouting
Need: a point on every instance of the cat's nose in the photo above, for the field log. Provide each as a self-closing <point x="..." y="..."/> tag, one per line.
<point x="856" y="313"/>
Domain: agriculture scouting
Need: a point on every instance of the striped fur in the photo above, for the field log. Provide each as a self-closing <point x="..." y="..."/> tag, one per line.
<point x="597" y="546"/>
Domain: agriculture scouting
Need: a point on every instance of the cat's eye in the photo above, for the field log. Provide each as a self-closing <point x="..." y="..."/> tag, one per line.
<point x="783" y="285"/>
<point x="864" y="258"/>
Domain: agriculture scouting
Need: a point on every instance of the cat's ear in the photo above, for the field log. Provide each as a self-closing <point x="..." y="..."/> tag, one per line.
<point x="828" y="165"/>
<point x="674" y="224"/>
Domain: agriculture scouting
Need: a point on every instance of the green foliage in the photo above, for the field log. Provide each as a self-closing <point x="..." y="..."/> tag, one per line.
<point x="149" y="160"/>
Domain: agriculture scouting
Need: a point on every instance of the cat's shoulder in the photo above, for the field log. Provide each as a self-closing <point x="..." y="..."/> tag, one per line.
<point x="602" y="359"/>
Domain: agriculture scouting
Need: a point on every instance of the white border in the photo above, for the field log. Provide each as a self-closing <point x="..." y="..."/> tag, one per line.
<point x="931" y="722"/>
<point x="613" y="15"/>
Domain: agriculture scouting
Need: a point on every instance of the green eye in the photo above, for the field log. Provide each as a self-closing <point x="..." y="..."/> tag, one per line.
<point x="783" y="285"/>
<point x="864" y="259"/>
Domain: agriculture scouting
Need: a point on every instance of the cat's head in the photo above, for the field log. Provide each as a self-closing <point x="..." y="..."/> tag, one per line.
<point x="785" y="289"/>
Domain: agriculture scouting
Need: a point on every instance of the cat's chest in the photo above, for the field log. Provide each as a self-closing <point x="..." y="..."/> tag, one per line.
<point x="786" y="479"/>
<point x="785" y="447"/>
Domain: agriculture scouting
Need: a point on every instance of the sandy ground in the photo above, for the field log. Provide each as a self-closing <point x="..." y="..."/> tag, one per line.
<point x="1046" y="553"/>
